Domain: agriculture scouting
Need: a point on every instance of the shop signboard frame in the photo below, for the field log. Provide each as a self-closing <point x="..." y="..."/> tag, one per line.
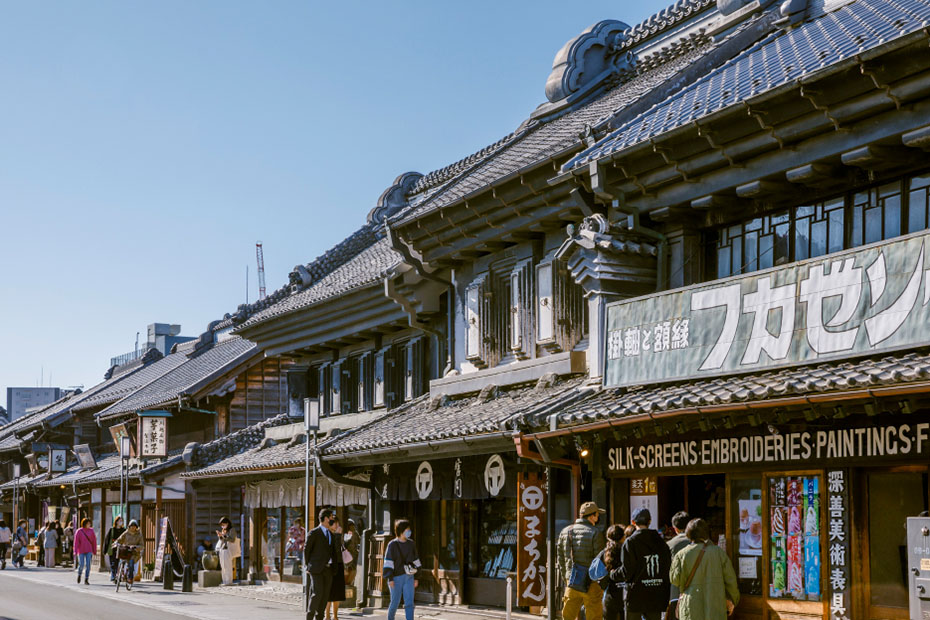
<point x="871" y="299"/>
<point x="532" y="498"/>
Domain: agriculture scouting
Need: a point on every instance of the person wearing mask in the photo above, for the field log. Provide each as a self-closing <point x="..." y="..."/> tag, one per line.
<point x="6" y="536"/>
<point x="645" y="561"/>
<point x="337" y="591"/>
<point x="50" y="544"/>
<point x="85" y="546"/>
<point x="20" y="543"/>
<point x="319" y="554"/>
<point x="680" y="541"/>
<point x="351" y="541"/>
<point x="109" y="545"/>
<point x="705" y="577"/>
<point x="613" y="584"/>
<point x="132" y="537"/>
<point x="579" y="544"/>
<point x="401" y="564"/>
<point x="228" y="548"/>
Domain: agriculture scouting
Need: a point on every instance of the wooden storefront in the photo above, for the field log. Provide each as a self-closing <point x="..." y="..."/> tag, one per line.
<point x="813" y="517"/>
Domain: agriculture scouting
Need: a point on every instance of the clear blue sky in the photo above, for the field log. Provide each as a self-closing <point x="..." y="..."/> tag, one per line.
<point x="146" y="146"/>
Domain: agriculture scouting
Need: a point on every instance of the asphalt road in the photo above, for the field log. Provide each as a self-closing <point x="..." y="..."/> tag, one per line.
<point x="29" y="600"/>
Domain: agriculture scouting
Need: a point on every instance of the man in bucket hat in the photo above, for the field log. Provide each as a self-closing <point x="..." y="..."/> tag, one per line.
<point x="645" y="561"/>
<point x="579" y="544"/>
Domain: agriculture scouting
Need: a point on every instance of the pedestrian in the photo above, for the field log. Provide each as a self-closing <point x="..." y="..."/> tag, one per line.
<point x="21" y="544"/>
<point x="579" y="544"/>
<point x="204" y="548"/>
<point x="109" y="545"/>
<point x="401" y="563"/>
<point x="351" y="542"/>
<point x="68" y="543"/>
<point x="680" y="541"/>
<point x="59" y="542"/>
<point x="6" y="537"/>
<point x="645" y="560"/>
<point x="705" y="577"/>
<point x="295" y="538"/>
<point x="50" y="544"/>
<point x="319" y="553"/>
<point x="613" y="588"/>
<point x="337" y="591"/>
<point x="85" y="546"/>
<point x="228" y="547"/>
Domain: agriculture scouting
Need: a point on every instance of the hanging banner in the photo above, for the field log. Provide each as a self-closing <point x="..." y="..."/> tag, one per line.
<point x="862" y="301"/>
<point x="531" y="539"/>
<point x="838" y="556"/>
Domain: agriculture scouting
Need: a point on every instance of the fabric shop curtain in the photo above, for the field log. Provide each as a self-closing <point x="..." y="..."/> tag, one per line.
<point x="289" y="492"/>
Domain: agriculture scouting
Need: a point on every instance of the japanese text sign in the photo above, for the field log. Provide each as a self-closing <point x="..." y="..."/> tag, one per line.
<point x="839" y="559"/>
<point x="57" y="460"/>
<point x="859" y="301"/>
<point x="153" y="438"/>
<point x="531" y="539"/>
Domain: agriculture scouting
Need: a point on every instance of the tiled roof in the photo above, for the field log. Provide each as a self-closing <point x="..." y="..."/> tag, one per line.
<point x="367" y="266"/>
<point x="426" y="419"/>
<point x="288" y="453"/>
<point x="783" y="58"/>
<point x="619" y="403"/>
<point x="167" y="388"/>
<point x="123" y="384"/>
<point x="106" y="464"/>
<point x="234" y="451"/>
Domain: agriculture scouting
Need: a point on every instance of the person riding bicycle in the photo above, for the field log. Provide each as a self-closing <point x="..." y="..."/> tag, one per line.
<point x="132" y="537"/>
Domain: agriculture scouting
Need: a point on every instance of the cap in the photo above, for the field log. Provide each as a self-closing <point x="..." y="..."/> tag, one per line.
<point x="642" y="517"/>
<point x="588" y="509"/>
<point x="133" y="522"/>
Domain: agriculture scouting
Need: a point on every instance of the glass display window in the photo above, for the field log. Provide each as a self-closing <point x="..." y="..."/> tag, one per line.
<point x="746" y="531"/>
<point x="293" y="541"/>
<point x="794" y="508"/>
<point x="271" y="541"/>
<point x="493" y="538"/>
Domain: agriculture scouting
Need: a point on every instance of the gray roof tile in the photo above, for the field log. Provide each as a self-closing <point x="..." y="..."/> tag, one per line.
<point x="783" y="58"/>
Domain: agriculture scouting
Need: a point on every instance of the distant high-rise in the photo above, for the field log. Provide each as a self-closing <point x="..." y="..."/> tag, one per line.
<point x="20" y="399"/>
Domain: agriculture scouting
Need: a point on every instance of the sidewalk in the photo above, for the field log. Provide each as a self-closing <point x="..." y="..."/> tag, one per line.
<point x="271" y="601"/>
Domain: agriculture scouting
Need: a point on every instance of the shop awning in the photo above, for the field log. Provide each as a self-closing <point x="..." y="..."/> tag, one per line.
<point x="808" y="387"/>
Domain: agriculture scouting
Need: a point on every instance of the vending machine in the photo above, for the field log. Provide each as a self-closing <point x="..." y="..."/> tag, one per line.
<point x="918" y="560"/>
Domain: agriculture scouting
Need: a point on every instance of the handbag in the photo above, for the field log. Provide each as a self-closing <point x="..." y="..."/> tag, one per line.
<point x="578" y="578"/>
<point x="671" y="611"/>
<point x="346" y="556"/>
<point x="597" y="570"/>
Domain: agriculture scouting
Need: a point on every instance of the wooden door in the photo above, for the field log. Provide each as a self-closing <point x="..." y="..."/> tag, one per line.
<point x="149" y="532"/>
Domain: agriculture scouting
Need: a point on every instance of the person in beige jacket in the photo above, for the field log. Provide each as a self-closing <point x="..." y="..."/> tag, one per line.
<point x="712" y="593"/>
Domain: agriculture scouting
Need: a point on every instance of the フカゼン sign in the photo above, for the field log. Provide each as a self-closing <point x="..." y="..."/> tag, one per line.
<point x="841" y="444"/>
<point x="875" y="298"/>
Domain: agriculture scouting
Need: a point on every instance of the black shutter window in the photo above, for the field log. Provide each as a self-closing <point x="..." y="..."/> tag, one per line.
<point x="379" y="379"/>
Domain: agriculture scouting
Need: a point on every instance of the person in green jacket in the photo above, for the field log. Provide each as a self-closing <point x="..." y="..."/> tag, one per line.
<point x="712" y="593"/>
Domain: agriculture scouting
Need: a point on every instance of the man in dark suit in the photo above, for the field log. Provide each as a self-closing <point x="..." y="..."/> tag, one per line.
<point x="319" y="552"/>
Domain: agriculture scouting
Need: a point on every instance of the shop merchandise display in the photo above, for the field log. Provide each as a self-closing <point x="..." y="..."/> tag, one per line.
<point x="795" y="538"/>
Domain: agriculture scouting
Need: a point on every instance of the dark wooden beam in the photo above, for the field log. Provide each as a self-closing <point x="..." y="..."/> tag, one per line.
<point x="917" y="139"/>
<point x="815" y="174"/>
<point x="757" y="189"/>
<point x="876" y="157"/>
<point x="716" y="201"/>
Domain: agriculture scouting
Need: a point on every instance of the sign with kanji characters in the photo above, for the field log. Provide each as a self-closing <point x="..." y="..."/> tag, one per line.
<point x="57" y="460"/>
<point x="531" y="539"/>
<point x="117" y="432"/>
<point x="871" y="299"/>
<point x="85" y="456"/>
<point x="153" y="437"/>
<point x="839" y="560"/>
<point x="851" y="444"/>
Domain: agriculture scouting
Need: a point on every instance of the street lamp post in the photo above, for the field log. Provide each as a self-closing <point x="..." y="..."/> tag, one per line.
<point x="124" y="447"/>
<point x="16" y="473"/>
<point x="311" y="424"/>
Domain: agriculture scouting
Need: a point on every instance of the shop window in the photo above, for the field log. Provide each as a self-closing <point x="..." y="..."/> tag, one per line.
<point x="747" y="534"/>
<point x="819" y="229"/>
<point x="876" y="214"/>
<point x="493" y="538"/>
<point x="918" y="211"/>
<point x="271" y="541"/>
<point x="293" y="542"/>
<point x="794" y="525"/>
<point x="892" y="497"/>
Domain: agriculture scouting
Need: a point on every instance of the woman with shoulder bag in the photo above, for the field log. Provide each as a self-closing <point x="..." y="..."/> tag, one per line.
<point x="228" y="548"/>
<point x="704" y="576"/>
<point x="613" y="584"/>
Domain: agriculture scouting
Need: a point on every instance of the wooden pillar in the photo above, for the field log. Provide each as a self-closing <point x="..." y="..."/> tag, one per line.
<point x="222" y="417"/>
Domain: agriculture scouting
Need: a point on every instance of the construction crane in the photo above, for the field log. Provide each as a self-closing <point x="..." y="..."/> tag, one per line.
<point x="260" y="259"/>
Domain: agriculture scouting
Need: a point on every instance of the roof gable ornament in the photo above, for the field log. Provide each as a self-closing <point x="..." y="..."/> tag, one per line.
<point x="588" y="59"/>
<point x="394" y="198"/>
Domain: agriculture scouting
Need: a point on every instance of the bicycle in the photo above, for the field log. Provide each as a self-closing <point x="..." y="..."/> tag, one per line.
<point x="124" y="571"/>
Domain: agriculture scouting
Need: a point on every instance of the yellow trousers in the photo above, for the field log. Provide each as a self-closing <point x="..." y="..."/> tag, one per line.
<point x="593" y="605"/>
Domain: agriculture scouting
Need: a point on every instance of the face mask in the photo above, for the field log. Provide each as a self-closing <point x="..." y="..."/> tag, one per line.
<point x="407" y="533"/>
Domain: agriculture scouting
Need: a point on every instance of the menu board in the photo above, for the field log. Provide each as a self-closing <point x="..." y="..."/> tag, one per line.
<point x="795" y="538"/>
